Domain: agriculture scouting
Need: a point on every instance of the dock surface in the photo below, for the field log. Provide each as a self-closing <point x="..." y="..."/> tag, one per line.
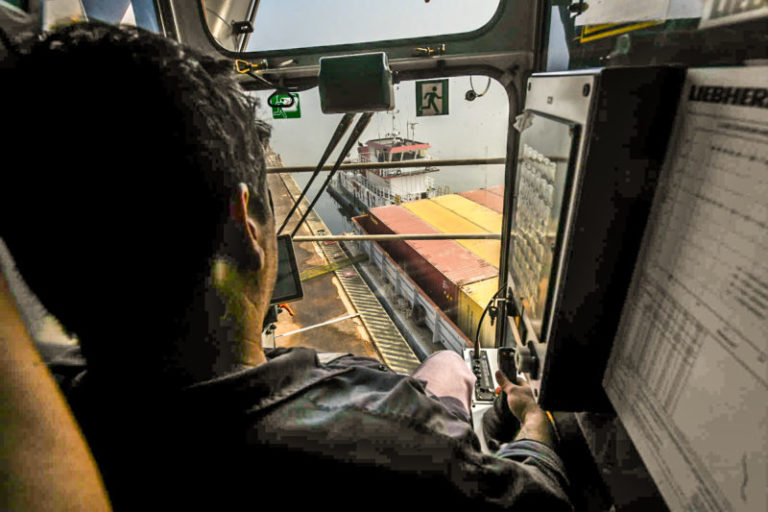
<point x="339" y="312"/>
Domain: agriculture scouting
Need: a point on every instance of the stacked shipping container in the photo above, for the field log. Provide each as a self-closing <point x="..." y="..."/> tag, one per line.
<point x="492" y="198"/>
<point x="476" y="296"/>
<point x="459" y="276"/>
<point x="484" y="217"/>
<point x="439" y="267"/>
<point x="446" y="221"/>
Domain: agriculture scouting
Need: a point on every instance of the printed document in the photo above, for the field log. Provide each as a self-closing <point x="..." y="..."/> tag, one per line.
<point x="688" y="375"/>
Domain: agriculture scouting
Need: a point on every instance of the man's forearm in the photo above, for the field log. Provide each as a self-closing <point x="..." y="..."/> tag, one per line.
<point x="536" y="426"/>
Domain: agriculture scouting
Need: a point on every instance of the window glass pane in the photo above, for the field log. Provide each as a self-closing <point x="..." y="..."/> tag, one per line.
<point x="139" y="13"/>
<point x="473" y="129"/>
<point x="311" y="23"/>
<point x="436" y="198"/>
<point x="654" y="33"/>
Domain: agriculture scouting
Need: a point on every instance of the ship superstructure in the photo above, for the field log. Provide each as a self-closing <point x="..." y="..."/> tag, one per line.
<point x="370" y="188"/>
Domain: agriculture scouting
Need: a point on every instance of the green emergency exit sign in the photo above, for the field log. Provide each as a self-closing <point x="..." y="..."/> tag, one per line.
<point x="432" y="98"/>
<point x="284" y="108"/>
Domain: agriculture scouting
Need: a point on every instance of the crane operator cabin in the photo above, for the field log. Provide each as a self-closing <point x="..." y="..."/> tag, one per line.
<point x="572" y="192"/>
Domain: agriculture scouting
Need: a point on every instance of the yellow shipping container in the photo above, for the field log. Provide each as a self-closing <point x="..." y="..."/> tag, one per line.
<point x="446" y="221"/>
<point x="473" y="298"/>
<point x="472" y="211"/>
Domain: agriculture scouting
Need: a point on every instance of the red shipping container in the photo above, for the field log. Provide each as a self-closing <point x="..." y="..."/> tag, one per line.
<point x="492" y="198"/>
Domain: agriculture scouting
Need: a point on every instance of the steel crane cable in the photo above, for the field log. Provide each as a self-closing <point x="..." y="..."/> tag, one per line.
<point x="341" y="129"/>
<point x="362" y="123"/>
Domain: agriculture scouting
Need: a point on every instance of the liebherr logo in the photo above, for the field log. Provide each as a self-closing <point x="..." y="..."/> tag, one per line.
<point x="743" y="96"/>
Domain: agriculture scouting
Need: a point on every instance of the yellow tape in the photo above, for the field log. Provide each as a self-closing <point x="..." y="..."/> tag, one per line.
<point x="591" y="29"/>
<point x="600" y="32"/>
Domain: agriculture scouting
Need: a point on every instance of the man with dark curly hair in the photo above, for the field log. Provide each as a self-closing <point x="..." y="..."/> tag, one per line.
<point x="136" y="208"/>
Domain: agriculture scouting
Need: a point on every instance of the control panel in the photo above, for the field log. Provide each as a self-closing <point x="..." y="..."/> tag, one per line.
<point x="484" y="367"/>
<point x="484" y="385"/>
<point x="583" y="186"/>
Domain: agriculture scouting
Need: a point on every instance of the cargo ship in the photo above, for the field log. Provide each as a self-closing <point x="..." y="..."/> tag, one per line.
<point x="433" y="279"/>
<point x="363" y="189"/>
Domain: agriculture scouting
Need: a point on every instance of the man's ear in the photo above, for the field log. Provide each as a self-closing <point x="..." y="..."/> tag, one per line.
<point x="250" y="229"/>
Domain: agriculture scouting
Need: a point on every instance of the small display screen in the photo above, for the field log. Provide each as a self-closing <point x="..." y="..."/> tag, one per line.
<point x="544" y="162"/>
<point x="288" y="284"/>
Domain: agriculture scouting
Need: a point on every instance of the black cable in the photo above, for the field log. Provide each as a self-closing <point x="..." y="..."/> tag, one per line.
<point x="282" y="105"/>
<point x="362" y="123"/>
<point x="341" y="129"/>
<point x="480" y="94"/>
<point x="218" y="16"/>
<point x="480" y="323"/>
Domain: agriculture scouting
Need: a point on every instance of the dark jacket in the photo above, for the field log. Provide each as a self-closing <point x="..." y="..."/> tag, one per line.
<point x="349" y="434"/>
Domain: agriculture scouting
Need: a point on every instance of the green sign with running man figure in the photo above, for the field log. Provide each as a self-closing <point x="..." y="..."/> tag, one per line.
<point x="285" y="106"/>
<point x="432" y="98"/>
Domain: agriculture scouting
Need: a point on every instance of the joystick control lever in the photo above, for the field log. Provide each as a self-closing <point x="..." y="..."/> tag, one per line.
<point x="499" y="424"/>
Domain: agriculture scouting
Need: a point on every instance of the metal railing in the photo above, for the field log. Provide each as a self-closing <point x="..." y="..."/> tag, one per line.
<point x="384" y="238"/>
<point x="393" y="165"/>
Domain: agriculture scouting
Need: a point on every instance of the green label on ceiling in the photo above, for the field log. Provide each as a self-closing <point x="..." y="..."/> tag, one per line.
<point x="432" y="98"/>
<point x="285" y="106"/>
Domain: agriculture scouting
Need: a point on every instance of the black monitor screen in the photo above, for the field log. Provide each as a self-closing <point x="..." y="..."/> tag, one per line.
<point x="544" y="161"/>
<point x="288" y="284"/>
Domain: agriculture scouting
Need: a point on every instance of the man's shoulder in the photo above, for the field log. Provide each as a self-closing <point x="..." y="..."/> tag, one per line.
<point x="353" y="400"/>
<point x="341" y="379"/>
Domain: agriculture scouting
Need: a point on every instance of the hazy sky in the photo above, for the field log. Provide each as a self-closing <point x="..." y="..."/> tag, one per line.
<point x="301" y="23"/>
<point x="472" y="129"/>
